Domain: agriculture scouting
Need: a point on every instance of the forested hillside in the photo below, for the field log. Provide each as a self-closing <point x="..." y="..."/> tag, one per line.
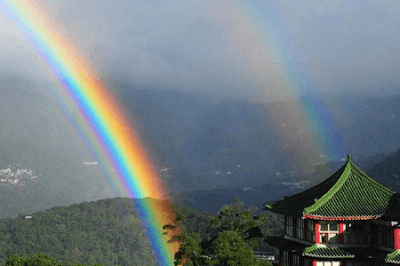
<point x="106" y="231"/>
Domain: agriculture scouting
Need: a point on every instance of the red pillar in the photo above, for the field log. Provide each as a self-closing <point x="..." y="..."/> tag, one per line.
<point x="314" y="263"/>
<point x="316" y="231"/>
<point x="341" y="231"/>
<point x="396" y="235"/>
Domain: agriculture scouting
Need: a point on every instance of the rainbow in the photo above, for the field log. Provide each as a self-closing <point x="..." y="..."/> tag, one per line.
<point x="304" y="124"/>
<point x="111" y="131"/>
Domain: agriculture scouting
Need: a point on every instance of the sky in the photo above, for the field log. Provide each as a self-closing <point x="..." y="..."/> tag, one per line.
<point x="224" y="48"/>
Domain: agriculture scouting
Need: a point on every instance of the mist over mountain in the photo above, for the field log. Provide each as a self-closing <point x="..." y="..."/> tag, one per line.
<point x="212" y="145"/>
<point x="37" y="135"/>
<point x="387" y="172"/>
<point x="196" y="142"/>
<point x="275" y="189"/>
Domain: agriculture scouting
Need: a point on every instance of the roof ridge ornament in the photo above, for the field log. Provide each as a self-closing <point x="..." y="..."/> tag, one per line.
<point x="349" y="157"/>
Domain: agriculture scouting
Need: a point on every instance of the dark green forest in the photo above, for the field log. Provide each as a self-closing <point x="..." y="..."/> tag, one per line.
<point x="230" y="238"/>
<point x="106" y="231"/>
<point x="41" y="259"/>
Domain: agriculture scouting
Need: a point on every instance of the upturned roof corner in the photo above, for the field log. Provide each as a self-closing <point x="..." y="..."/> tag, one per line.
<point x="348" y="194"/>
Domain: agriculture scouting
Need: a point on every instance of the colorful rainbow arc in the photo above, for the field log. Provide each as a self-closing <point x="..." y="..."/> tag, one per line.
<point x="111" y="129"/>
<point x="119" y="143"/>
<point x="279" y="77"/>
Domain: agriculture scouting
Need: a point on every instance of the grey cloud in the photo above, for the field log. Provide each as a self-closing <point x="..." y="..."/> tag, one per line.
<point x="183" y="44"/>
<point x="348" y="42"/>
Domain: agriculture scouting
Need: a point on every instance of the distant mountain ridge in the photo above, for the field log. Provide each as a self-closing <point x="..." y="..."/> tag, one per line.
<point x="382" y="167"/>
<point x="387" y="172"/>
<point x="240" y="137"/>
<point x="200" y="143"/>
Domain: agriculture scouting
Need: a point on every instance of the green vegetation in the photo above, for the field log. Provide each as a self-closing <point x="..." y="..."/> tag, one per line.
<point x="40" y="259"/>
<point x="106" y="231"/>
<point x="109" y="232"/>
<point x="231" y="236"/>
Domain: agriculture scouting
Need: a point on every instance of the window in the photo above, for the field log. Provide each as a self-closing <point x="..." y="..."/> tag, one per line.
<point x="300" y="228"/>
<point x="356" y="227"/>
<point x="357" y="233"/>
<point x="379" y="235"/>
<point x="329" y="233"/>
<point x="289" y="225"/>
<point x="388" y="236"/>
<point x="307" y="262"/>
<point x="329" y="263"/>
<point x="384" y="236"/>
<point x="310" y="231"/>
<point x="286" y="258"/>
<point x="296" y="260"/>
<point x="295" y="227"/>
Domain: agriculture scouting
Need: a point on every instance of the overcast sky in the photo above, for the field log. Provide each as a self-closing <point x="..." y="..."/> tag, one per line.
<point x="225" y="47"/>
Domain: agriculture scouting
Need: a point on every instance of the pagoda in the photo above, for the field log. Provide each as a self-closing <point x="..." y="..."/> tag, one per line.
<point x="348" y="220"/>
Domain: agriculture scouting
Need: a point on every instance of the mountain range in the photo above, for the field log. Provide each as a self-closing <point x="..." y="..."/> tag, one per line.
<point x="200" y="145"/>
<point x="211" y="145"/>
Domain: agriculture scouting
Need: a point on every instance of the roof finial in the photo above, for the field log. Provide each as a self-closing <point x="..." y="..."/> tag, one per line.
<point x="349" y="157"/>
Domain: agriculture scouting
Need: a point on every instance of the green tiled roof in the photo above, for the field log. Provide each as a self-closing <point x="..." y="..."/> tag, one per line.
<point x="317" y="251"/>
<point x="349" y="194"/>
<point x="326" y="252"/>
<point x="393" y="257"/>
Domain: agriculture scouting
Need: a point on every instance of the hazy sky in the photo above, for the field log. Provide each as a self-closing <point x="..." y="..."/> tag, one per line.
<point x="225" y="47"/>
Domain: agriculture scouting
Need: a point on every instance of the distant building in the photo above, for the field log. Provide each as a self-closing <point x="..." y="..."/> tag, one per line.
<point x="347" y="220"/>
